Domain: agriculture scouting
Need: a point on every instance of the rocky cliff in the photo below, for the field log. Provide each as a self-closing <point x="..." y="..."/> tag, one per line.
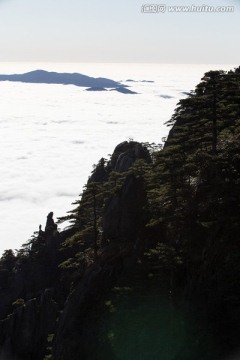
<point x="122" y="222"/>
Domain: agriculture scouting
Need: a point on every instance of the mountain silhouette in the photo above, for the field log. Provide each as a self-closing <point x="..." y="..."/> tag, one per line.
<point x="45" y="77"/>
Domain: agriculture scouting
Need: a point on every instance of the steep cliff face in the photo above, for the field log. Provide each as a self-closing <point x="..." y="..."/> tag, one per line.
<point x="24" y="333"/>
<point x="123" y="213"/>
<point x="79" y="330"/>
<point x="80" y="325"/>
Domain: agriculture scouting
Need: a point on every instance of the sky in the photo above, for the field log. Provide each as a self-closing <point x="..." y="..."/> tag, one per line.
<point x="118" y="31"/>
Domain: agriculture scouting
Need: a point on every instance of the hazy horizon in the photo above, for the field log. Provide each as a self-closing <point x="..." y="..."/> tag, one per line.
<point x="118" y="32"/>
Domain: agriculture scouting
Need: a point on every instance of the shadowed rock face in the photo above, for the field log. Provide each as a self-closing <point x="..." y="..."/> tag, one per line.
<point x="123" y="211"/>
<point x="78" y="332"/>
<point x="45" y="77"/>
<point x="123" y="214"/>
<point x="78" y="336"/>
<point x="24" y="333"/>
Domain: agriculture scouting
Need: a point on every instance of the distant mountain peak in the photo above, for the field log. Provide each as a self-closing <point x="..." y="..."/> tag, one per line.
<point x="45" y="77"/>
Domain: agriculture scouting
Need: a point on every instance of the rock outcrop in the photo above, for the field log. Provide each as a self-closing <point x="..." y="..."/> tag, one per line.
<point x="126" y="153"/>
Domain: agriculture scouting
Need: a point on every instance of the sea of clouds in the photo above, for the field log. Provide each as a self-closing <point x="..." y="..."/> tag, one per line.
<point x="51" y="135"/>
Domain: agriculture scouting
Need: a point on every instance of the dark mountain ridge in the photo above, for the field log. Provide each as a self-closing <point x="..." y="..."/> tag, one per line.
<point x="46" y="77"/>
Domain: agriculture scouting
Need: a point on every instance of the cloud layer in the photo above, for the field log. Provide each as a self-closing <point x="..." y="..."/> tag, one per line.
<point x="51" y="135"/>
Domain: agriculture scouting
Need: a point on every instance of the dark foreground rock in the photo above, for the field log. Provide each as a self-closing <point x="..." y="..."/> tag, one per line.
<point x="24" y="333"/>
